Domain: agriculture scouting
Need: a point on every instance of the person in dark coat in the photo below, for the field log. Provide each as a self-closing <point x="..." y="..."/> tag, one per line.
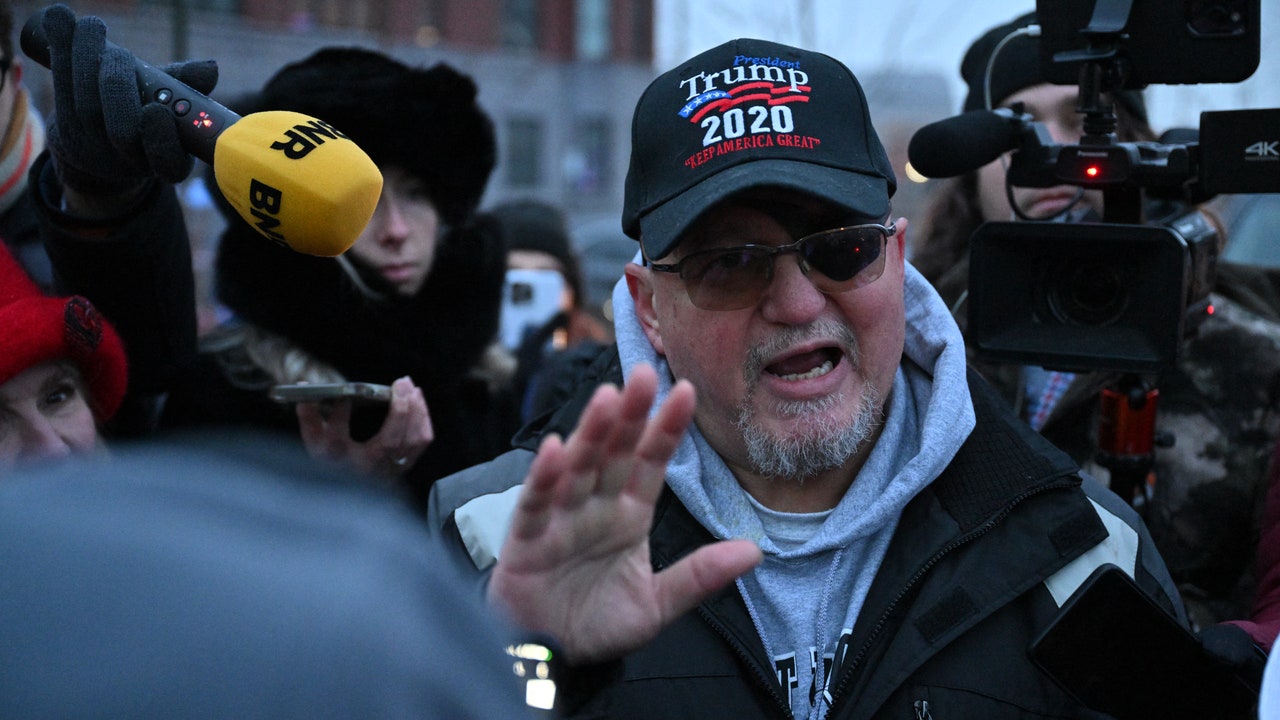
<point x="417" y="296"/>
<point x="413" y="304"/>
<point x="1218" y="411"/>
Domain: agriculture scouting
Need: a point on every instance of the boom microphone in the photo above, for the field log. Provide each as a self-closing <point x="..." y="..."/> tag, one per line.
<point x="966" y="142"/>
<point x="295" y="179"/>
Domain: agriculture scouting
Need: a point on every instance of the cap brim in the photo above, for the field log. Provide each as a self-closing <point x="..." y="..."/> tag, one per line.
<point x="862" y="195"/>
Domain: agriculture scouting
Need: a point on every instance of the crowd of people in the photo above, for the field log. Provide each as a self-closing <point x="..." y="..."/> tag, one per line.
<point x="1217" y="416"/>
<point x="781" y="484"/>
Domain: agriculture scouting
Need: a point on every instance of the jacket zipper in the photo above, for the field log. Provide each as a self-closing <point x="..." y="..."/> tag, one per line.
<point x="766" y="681"/>
<point x="848" y="673"/>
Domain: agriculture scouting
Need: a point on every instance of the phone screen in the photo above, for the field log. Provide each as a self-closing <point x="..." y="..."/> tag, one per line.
<point x="1118" y="652"/>
<point x="530" y="299"/>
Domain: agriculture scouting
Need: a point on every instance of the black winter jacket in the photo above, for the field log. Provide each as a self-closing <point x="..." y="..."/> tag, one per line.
<point x="945" y="628"/>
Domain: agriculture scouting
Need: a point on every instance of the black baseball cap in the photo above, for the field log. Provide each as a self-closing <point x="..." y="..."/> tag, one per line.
<point x="750" y="113"/>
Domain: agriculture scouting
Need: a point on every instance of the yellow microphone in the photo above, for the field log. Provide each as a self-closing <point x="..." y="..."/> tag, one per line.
<point x="295" y="179"/>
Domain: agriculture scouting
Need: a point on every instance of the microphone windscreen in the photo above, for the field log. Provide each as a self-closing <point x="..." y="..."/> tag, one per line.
<point x="297" y="180"/>
<point x="963" y="143"/>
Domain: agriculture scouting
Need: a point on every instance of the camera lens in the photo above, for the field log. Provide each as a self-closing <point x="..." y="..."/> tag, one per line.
<point x="1088" y="294"/>
<point x="521" y="293"/>
<point x="1216" y="18"/>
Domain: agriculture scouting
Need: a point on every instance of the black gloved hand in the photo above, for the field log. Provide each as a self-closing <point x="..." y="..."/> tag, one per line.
<point x="1233" y="648"/>
<point x="103" y="139"/>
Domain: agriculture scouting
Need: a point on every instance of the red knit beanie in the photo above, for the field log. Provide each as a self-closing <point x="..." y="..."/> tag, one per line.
<point x="36" y="328"/>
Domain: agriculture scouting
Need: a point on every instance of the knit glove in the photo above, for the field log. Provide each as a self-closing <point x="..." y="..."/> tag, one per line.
<point x="104" y="140"/>
<point x="1232" y="648"/>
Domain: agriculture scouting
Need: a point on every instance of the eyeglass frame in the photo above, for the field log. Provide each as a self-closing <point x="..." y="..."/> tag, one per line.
<point x="886" y="232"/>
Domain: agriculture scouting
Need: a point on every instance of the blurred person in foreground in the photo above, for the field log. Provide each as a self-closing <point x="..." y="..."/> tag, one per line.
<point x="63" y="372"/>
<point x="785" y="495"/>
<point x="1219" y="405"/>
<point x="285" y="589"/>
<point x="413" y="304"/>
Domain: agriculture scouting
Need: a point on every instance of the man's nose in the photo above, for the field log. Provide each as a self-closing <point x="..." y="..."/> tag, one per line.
<point x="791" y="297"/>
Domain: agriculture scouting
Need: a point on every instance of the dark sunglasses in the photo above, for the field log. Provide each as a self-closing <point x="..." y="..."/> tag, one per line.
<point x="736" y="277"/>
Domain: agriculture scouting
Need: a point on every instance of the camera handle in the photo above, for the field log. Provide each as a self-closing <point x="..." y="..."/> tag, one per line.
<point x="1127" y="436"/>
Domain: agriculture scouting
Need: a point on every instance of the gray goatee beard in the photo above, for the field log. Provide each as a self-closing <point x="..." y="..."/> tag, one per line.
<point x="819" y="442"/>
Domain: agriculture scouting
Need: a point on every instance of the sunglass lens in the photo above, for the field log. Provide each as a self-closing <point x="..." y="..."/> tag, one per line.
<point x="842" y="254"/>
<point x="726" y="279"/>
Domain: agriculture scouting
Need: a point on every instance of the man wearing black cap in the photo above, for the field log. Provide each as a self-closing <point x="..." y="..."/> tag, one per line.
<point x="844" y="523"/>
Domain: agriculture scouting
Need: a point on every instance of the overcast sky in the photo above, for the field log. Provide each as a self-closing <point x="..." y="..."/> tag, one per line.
<point x="927" y="36"/>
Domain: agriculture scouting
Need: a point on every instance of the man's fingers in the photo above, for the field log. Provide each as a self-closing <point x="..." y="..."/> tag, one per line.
<point x="537" y="495"/>
<point x="637" y="398"/>
<point x="633" y="415"/>
<point x="685" y="584"/>
<point x="586" y="449"/>
<point x="662" y="436"/>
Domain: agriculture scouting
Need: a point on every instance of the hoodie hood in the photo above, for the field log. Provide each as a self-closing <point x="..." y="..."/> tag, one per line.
<point x="927" y="418"/>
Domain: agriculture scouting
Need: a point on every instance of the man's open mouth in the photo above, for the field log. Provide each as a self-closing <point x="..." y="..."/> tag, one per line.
<point x="806" y="366"/>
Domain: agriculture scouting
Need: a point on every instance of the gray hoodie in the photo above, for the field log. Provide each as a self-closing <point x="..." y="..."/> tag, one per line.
<point x="806" y="595"/>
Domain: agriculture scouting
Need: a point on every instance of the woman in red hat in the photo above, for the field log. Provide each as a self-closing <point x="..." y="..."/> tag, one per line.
<point x="62" y="371"/>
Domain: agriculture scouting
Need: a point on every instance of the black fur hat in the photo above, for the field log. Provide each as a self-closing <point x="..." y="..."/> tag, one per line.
<point x="424" y="121"/>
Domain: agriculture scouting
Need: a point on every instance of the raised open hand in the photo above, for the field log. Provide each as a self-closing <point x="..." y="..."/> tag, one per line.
<point x="575" y="563"/>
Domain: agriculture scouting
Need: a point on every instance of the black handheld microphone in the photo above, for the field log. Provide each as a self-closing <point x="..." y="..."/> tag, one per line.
<point x="966" y="142"/>
<point x="295" y="179"/>
<point x="199" y="118"/>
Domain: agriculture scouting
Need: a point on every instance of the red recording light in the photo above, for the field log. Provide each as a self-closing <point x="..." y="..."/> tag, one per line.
<point x="1093" y="171"/>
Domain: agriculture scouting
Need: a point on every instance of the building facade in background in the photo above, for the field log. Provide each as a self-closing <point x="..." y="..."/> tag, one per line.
<point x="559" y="77"/>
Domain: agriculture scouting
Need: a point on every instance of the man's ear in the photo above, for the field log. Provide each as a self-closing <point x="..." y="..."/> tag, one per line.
<point x="900" y="239"/>
<point x="640" y="284"/>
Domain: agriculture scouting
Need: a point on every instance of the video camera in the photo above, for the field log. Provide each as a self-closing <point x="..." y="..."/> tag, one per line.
<point x="1115" y="294"/>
